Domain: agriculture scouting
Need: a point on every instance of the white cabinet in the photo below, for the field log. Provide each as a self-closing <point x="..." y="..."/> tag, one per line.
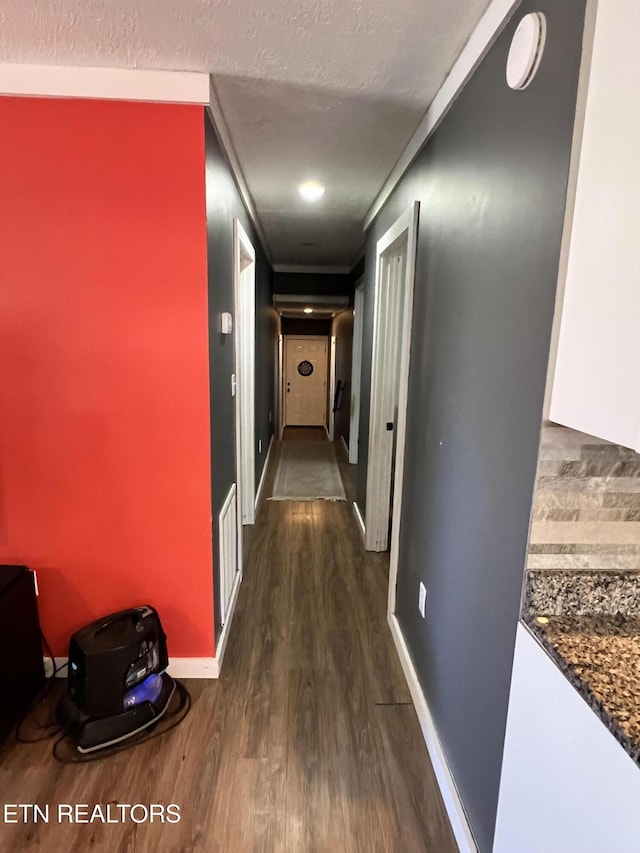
<point x="567" y="785"/>
<point x="596" y="388"/>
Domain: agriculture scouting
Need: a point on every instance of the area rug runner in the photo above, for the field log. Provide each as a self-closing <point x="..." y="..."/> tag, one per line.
<point x="308" y="471"/>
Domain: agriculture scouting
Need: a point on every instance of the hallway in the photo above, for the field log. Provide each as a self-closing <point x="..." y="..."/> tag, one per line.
<point x="329" y="749"/>
<point x="307" y="742"/>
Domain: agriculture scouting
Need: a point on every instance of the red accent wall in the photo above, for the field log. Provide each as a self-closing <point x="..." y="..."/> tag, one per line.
<point x="104" y="396"/>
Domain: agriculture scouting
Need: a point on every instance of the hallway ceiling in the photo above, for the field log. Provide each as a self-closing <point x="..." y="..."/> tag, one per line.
<point x="324" y="89"/>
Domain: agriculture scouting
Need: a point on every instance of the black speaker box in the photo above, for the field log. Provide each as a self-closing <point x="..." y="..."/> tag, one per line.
<point x="112" y="655"/>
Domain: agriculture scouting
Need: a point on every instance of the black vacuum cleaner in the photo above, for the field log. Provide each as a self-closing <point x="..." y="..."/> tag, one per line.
<point x="117" y="686"/>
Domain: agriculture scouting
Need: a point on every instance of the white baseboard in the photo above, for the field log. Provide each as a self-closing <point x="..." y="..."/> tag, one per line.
<point x="178" y="667"/>
<point x="356" y="512"/>
<point x="263" y="475"/>
<point x="193" y="667"/>
<point x="346" y="446"/>
<point x="200" y="667"/>
<point x="444" y="777"/>
<point x="204" y="667"/>
<point x="221" y="644"/>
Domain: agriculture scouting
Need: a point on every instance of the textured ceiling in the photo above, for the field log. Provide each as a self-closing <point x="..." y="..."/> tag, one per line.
<point x="330" y="89"/>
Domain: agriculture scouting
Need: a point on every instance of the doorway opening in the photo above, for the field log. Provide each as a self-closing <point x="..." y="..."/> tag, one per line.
<point x="393" y="304"/>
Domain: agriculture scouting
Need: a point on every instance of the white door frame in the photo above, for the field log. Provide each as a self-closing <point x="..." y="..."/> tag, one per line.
<point x="356" y="371"/>
<point x="244" y="289"/>
<point x="402" y="234"/>
<point x="280" y="385"/>
<point x="332" y="387"/>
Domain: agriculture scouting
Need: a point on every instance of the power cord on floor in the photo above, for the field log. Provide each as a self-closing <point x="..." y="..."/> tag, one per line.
<point x="168" y="721"/>
<point x="53" y="727"/>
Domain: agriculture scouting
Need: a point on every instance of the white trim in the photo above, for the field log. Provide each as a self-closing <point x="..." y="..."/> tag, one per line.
<point x="346" y="446"/>
<point x="244" y="341"/>
<point x="588" y="37"/>
<point x="205" y="667"/>
<point x="359" y="519"/>
<point x="119" y="84"/>
<point x="227" y="548"/>
<point x="280" y="382"/>
<point x="316" y="270"/>
<point x="221" y="643"/>
<point x="263" y="476"/>
<point x="480" y="41"/>
<point x="326" y="429"/>
<point x="404" y="230"/>
<point x="356" y="371"/>
<point x="403" y="398"/>
<point x="224" y="138"/>
<point x="194" y="667"/>
<point x="444" y="777"/>
<point x="332" y="387"/>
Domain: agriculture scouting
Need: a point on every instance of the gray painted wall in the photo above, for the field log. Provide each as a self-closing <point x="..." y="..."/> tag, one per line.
<point x="223" y="204"/>
<point x="492" y="183"/>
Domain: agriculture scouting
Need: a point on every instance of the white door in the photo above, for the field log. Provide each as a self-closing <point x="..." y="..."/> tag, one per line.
<point x="305" y="381"/>
<point x="393" y="266"/>
<point x="395" y="271"/>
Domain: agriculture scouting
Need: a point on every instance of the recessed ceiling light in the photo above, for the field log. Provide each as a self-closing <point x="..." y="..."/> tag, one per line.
<point x="311" y="191"/>
<point x="308" y="310"/>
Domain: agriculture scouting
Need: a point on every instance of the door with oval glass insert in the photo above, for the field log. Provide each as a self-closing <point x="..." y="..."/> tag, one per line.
<point x="305" y="381"/>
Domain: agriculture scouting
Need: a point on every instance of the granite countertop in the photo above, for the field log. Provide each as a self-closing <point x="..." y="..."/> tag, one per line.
<point x="600" y="655"/>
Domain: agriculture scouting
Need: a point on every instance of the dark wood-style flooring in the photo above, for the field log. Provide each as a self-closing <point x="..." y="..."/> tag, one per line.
<point x="307" y="742"/>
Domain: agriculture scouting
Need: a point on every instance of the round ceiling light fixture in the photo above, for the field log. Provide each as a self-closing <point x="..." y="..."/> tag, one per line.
<point x="311" y="191"/>
<point x="527" y="47"/>
<point x="308" y="310"/>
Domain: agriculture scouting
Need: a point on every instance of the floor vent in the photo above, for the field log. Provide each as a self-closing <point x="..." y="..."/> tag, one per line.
<point x="228" y="545"/>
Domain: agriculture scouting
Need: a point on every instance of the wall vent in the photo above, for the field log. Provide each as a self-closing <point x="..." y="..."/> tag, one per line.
<point x="228" y="550"/>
